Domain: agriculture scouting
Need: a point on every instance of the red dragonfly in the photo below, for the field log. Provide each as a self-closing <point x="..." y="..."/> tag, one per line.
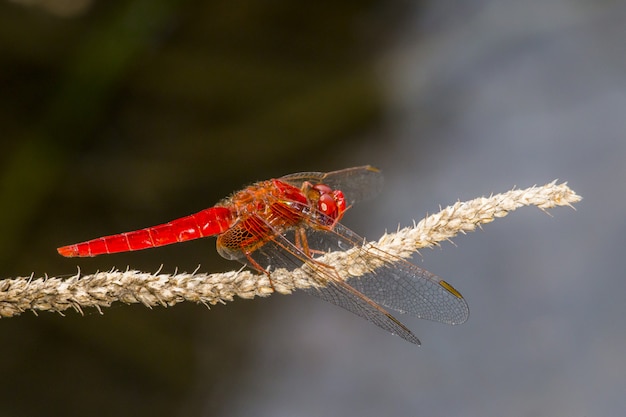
<point x="291" y="221"/>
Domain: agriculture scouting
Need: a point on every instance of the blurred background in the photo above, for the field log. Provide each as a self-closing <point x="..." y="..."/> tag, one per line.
<point x="119" y="115"/>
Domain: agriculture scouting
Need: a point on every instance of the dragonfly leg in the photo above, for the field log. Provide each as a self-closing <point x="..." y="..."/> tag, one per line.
<point x="259" y="268"/>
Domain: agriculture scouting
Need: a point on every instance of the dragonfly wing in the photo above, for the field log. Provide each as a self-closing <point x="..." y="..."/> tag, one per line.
<point x="282" y="252"/>
<point x="407" y="288"/>
<point x="347" y="297"/>
<point x="358" y="183"/>
<point x="392" y="281"/>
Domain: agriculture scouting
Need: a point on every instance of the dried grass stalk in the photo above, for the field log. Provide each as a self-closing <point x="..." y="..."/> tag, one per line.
<point x="103" y="288"/>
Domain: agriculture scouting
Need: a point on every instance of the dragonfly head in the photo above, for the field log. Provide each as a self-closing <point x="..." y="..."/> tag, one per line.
<point x="331" y="203"/>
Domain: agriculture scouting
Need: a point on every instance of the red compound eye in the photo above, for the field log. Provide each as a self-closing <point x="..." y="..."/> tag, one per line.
<point x="340" y="201"/>
<point x="326" y="204"/>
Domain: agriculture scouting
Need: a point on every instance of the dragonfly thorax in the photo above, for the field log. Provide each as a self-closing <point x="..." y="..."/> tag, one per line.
<point x="271" y="208"/>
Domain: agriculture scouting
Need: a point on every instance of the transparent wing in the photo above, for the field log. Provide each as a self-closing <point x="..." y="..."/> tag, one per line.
<point x="410" y="289"/>
<point x="282" y="252"/>
<point x="392" y="281"/>
<point x="358" y="183"/>
<point x="347" y="297"/>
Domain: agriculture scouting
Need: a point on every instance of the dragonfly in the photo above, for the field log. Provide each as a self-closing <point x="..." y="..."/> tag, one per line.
<point x="292" y="221"/>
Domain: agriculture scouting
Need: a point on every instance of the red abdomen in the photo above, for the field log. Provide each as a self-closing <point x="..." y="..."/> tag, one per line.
<point x="209" y="222"/>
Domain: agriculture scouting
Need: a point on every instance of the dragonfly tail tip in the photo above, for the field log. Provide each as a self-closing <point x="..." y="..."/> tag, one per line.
<point x="68" y="251"/>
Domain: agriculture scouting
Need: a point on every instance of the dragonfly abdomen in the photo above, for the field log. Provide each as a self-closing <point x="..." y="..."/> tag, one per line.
<point x="207" y="222"/>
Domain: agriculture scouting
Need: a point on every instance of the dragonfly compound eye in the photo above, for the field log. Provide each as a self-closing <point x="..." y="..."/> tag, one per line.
<point x="340" y="201"/>
<point x="326" y="204"/>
